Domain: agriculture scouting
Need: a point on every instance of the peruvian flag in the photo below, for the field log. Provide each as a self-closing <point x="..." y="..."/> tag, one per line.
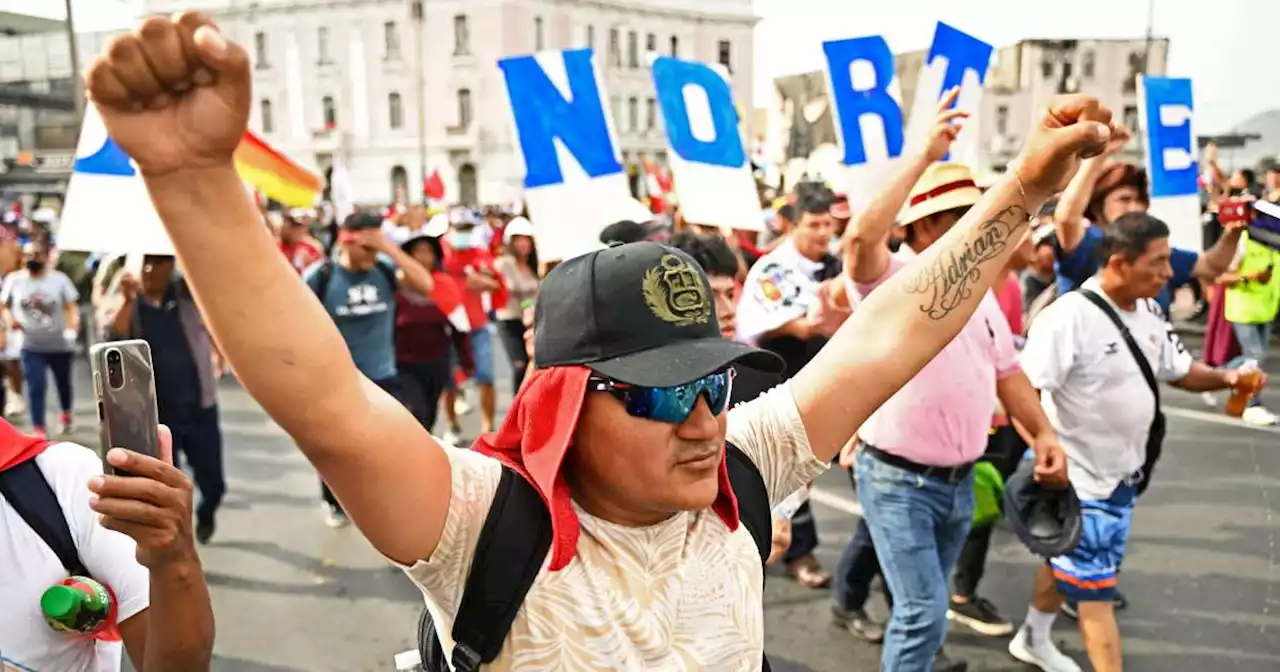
<point x="433" y="187"/>
<point x="448" y="298"/>
<point x="656" y="187"/>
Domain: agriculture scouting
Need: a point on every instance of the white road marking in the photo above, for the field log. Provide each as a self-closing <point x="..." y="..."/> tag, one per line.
<point x="839" y="502"/>
<point x="1216" y="418"/>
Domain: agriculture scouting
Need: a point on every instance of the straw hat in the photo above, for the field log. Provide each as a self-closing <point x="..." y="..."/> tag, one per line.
<point x="944" y="186"/>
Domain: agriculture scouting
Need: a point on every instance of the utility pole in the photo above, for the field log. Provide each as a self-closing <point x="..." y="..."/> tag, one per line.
<point x="420" y="29"/>
<point x="1146" y="50"/>
<point x="77" y="85"/>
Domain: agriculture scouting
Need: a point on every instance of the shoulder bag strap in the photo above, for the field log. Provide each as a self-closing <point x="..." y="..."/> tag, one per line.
<point x="25" y="488"/>
<point x="1134" y="350"/>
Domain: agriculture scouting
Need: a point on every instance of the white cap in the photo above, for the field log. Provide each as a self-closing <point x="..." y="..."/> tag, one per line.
<point x="518" y="226"/>
<point x="437" y="226"/>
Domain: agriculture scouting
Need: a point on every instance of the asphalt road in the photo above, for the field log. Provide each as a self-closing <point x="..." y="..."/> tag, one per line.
<point x="293" y="595"/>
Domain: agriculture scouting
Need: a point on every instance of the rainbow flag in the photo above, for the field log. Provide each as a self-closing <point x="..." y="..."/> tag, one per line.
<point x="274" y="175"/>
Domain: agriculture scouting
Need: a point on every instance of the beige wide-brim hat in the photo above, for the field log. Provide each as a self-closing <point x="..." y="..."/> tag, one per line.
<point x="943" y="187"/>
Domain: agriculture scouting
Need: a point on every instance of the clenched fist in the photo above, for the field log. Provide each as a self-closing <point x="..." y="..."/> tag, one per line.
<point x="174" y="94"/>
<point x="1067" y="129"/>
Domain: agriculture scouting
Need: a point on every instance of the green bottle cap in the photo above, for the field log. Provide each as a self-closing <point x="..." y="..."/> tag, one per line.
<point x="60" y="603"/>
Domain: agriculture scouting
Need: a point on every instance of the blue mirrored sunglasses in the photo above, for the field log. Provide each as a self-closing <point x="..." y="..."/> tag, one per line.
<point x="668" y="404"/>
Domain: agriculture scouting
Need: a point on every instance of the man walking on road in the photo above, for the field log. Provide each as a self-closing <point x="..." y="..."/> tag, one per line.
<point x="634" y="377"/>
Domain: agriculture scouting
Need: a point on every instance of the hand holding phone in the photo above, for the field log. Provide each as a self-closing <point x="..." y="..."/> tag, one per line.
<point x="124" y="386"/>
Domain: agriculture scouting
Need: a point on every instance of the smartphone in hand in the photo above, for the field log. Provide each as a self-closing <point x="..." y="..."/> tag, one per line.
<point x="124" y="387"/>
<point x="1231" y="210"/>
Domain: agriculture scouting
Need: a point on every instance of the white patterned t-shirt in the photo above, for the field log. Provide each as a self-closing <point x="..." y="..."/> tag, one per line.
<point x="685" y="594"/>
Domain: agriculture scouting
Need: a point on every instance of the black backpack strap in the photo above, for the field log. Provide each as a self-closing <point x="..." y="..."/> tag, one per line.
<point x="753" y="498"/>
<point x="510" y="552"/>
<point x="27" y="491"/>
<point x="324" y="275"/>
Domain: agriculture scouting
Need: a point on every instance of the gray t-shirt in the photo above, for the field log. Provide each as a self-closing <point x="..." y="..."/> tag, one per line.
<point x="38" y="304"/>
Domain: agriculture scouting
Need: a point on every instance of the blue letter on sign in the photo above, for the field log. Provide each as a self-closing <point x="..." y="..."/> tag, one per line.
<point x="852" y="104"/>
<point x="543" y="114"/>
<point x="1170" y="147"/>
<point x="963" y="52"/>
<point x="670" y="77"/>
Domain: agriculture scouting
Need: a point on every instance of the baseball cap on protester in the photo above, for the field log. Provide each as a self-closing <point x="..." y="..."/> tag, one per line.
<point x="640" y="313"/>
<point x="356" y="222"/>
<point x="625" y="232"/>
<point x="1046" y="520"/>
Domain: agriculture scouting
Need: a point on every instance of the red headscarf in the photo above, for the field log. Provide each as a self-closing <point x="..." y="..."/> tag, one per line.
<point x="16" y="447"/>
<point x="536" y="435"/>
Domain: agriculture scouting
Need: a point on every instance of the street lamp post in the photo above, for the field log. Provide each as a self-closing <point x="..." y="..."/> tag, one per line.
<point x="420" y="25"/>
<point x="77" y="86"/>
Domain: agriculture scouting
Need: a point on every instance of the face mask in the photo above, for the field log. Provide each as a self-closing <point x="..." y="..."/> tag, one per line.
<point x="35" y="266"/>
<point x="461" y="240"/>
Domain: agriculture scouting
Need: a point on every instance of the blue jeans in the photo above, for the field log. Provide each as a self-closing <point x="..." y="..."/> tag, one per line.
<point x="1254" y="340"/>
<point x="33" y="370"/>
<point x="918" y="525"/>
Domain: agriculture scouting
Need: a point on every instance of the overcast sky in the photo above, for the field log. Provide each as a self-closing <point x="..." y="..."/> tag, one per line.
<point x="1222" y="49"/>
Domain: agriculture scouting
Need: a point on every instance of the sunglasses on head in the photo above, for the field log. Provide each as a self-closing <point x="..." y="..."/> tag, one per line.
<point x="668" y="404"/>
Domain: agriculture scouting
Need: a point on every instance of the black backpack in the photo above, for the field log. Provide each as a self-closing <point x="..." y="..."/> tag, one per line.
<point x="514" y="543"/>
<point x="25" y="488"/>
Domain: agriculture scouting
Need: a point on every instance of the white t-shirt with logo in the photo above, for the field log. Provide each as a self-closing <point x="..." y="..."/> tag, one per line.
<point x="1092" y="389"/>
<point x="28" y="566"/>
<point x="685" y="594"/>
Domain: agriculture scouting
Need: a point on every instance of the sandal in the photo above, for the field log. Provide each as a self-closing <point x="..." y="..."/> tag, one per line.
<point x="808" y="573"/>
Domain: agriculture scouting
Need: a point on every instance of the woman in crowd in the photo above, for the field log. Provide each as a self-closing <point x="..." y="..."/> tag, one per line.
<point x="519" y="270"/>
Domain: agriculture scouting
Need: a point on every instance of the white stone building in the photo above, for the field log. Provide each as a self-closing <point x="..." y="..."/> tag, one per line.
<point x="337" y="78"/>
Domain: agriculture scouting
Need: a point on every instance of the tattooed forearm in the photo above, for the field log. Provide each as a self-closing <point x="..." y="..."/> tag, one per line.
<point x="949" y="278"/>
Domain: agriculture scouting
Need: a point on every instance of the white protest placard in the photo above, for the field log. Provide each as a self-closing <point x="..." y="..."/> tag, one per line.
<point x="107" y="208"/>
<point x="709" y="161"/>
<point x="575" y="184"/>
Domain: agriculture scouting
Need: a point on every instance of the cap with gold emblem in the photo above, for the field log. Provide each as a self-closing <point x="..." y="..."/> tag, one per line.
<point x="641" y="314"/>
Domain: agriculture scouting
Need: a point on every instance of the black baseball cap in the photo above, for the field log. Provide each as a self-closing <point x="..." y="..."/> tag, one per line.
<point x="641" y="314"/>
<point x="626" y="231"/>
<point x="362" y="220"/>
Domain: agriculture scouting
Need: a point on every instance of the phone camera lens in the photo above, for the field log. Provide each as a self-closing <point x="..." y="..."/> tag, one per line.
<point x="115" y="370"/>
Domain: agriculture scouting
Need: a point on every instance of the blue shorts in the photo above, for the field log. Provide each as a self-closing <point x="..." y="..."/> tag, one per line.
<point x="1089" y="573"/>
<point x="482" y="354"/>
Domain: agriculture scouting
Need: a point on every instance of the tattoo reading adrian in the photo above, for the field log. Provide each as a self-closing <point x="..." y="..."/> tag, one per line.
<point x="946" y="281"/>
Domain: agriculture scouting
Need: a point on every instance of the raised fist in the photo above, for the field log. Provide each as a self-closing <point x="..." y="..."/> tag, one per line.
<point x="174" y="94"/>
<point x="1067" y="129"/>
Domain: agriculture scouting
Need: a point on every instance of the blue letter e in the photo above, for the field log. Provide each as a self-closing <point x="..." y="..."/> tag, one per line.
<point x="543" y="115"/>
<point x="670" y="77"/>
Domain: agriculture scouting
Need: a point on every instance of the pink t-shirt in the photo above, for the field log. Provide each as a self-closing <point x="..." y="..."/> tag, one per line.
<point x="942" y="416"/>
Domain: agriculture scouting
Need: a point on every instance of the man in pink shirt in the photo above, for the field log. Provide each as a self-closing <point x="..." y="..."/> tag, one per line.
<point x="915" y="466"/>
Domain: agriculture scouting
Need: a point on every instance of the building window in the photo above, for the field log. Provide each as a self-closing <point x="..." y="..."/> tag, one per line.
<point x="538" y="40"/>
<point x="726" y="55"/>
<point x="461" y="36"/>
<point x="615" y="108"/>
<point x="391" y="38"/>
<point x="650" y="114"/>
<point x="268" y="124"/>
<point x="322" y="45"/>
<point x="464" y="108"/>
<point x="633" y="114"/>
<point x="395" y="109"/>
<point x="1002" y="120"/>
<point x="1046" y="67"/>
<point x="591" y="37"/>
<point x="330" y="112"/>
<point x="260" y="50"/>
<point x="1087" y="67"/>
<point x="651" y="43"/>
<point x="633" y="50"/>
<point x="1131" y="117"/>
<point x="615" y="50"/>
<point x="675" y="47"/>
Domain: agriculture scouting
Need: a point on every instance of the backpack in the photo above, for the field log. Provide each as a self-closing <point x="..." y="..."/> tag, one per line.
<point x="510" y="551"/>
<point x="325" y="275"/>
<point x="28" y="492"/>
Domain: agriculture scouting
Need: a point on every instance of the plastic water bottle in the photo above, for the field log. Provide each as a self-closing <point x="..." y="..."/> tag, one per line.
<point x="82" y="607"/>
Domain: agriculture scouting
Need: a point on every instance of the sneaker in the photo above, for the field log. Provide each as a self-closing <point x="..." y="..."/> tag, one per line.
<point x="1068" y="609"/>
<point x="857" y="623"/>
<point x="979" y="615"/>
<point x="1043" y="655"/>
<point x="460" y="405"/>
<point x="1259" y="416"/>
<point x="204" y="530"/>
<point x="14" y="405"/>
<point x="64" y="423"/>
<point x="40" y="432"/>
<point x="453" y="436"/>
<point x="942" y="663"/>
<point x="1210" y="399"/>
<point x="335" y="517"/>
<point x="1121" y="602"/>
